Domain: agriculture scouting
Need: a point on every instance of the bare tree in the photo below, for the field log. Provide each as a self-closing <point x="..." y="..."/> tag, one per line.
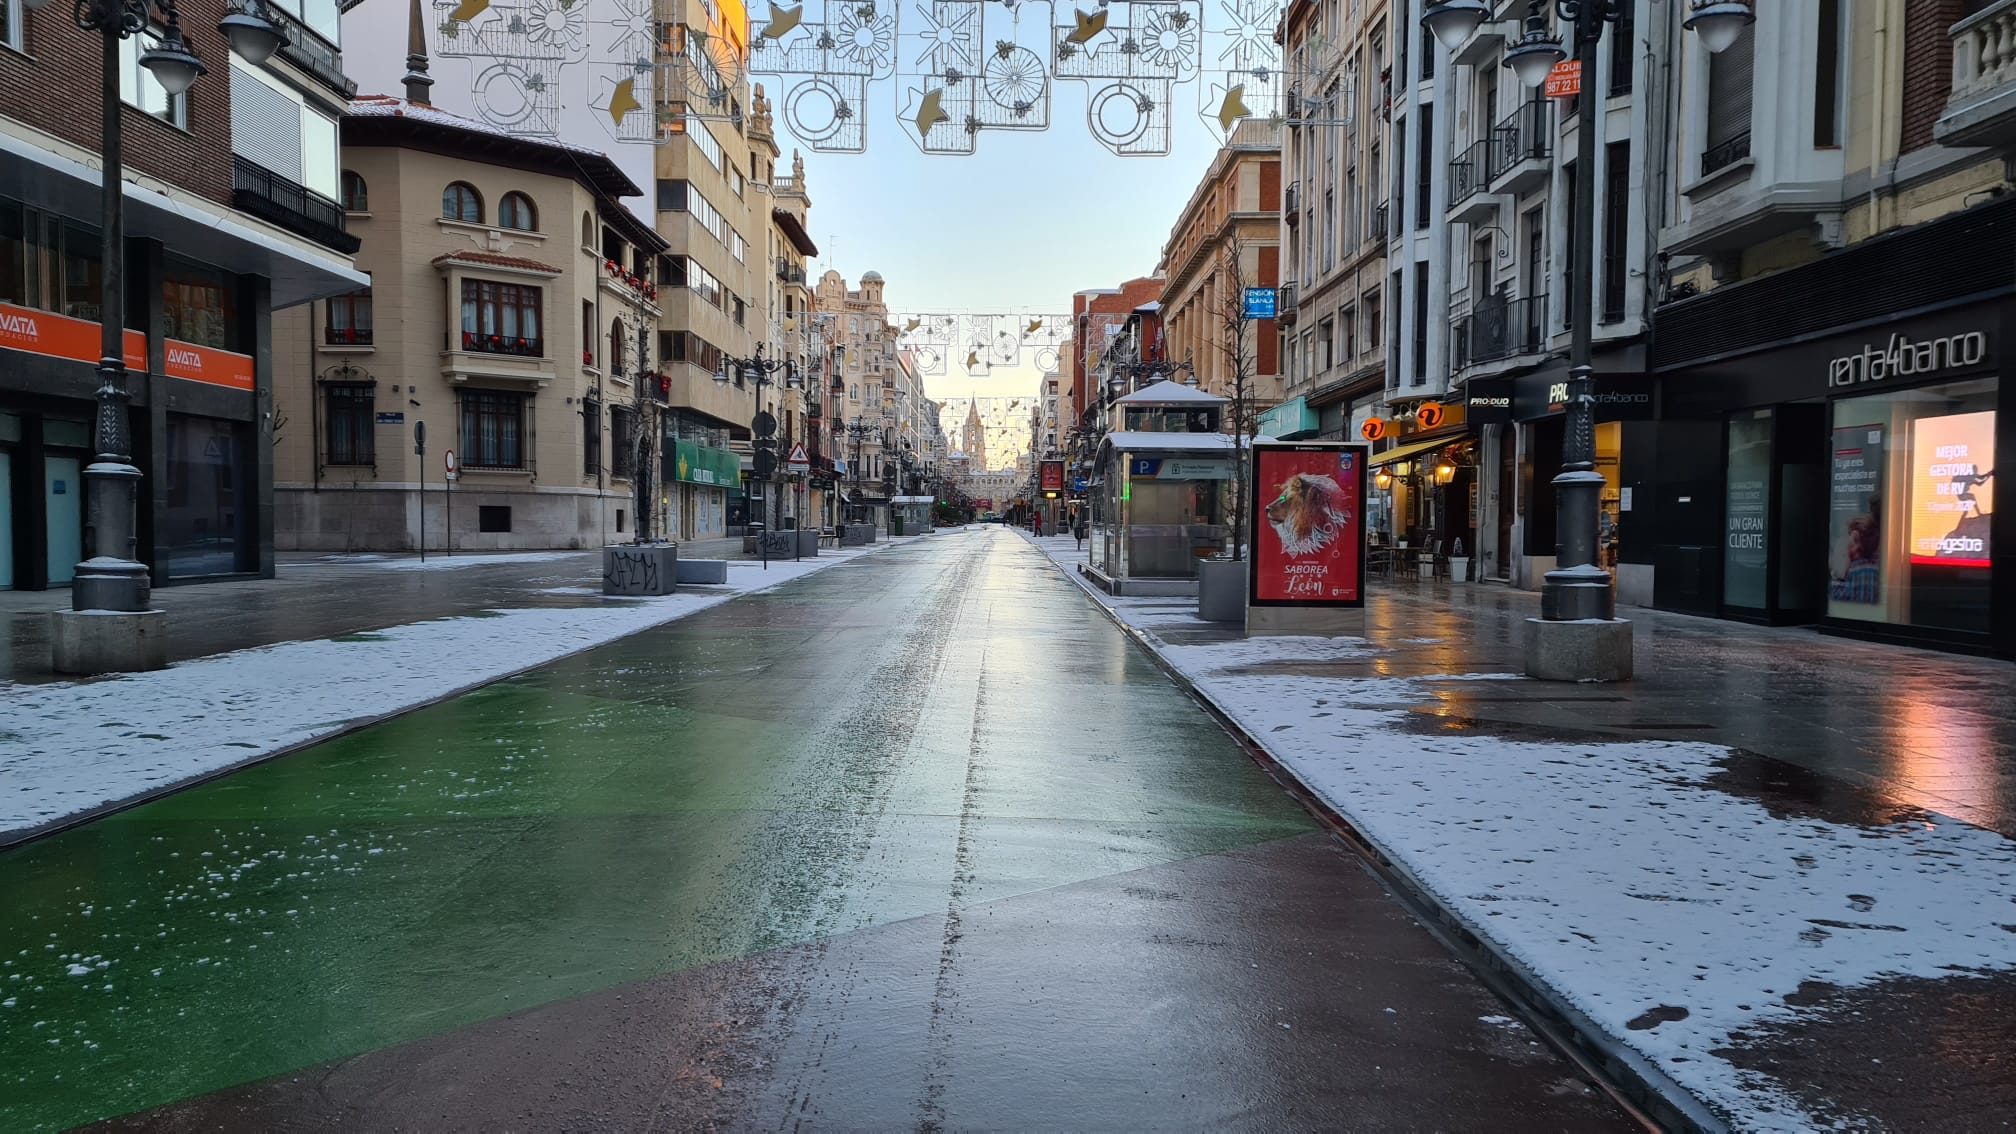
<point x="1235" y="343"/>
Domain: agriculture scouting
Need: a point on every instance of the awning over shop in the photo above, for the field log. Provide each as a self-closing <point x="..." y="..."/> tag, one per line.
<point x="700" y="464"/>
<point x="1418" y="444"/>
<point x="1292" y="420"/>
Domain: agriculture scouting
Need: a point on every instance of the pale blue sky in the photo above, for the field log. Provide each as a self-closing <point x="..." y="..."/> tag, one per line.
<point x="1026" y="221"/>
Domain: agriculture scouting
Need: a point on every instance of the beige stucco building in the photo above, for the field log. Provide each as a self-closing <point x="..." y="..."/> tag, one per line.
<point x="1238" y="198"/>
<point x="512" y="313"/>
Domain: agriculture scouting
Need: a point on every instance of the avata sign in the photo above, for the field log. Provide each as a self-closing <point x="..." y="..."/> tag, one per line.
<point x="1902" y="358"/>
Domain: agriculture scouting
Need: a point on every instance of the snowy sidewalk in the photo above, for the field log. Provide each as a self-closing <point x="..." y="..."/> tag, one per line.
<point x="1780" y="958"/>
<point x="68" y="748"/>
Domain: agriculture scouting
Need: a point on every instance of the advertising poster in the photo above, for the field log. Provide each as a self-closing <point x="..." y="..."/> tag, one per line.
<point x="1855" y="515"/>
<point x="1308" y="525"/>
<point x="1952" y="488"/>
<point x="1053" y="476"/>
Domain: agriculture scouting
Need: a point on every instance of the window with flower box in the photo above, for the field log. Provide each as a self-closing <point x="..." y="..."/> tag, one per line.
<point x="501" y="318"/>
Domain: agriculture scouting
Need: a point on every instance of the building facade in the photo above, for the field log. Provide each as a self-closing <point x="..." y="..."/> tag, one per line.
<point x="512" y="313"/>
<point x="231" y="214"/>
<point x="1479" y="287"/>
<point x="1831" y="348"/>
<point x="1226" y="240"/>
<point x="1334" y="219"/>
<point x="865" y="375"/>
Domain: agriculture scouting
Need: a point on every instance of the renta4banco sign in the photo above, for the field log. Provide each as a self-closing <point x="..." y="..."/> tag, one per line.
<point x="1903" y="358"/>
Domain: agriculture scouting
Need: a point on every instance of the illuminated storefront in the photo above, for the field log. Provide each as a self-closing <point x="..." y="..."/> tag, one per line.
<point x="1841" y="470"/>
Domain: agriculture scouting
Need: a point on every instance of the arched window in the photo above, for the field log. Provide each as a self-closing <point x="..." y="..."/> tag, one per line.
<point x="587" y="231"/>
<point x="616" y="352"/>
<point x="516" y="211"/>
<point x="356" y="198"/>
<point x="459" y="202"/>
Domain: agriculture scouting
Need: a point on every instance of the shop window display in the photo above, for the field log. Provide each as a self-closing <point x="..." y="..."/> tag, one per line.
<point x="1911" y="497"/>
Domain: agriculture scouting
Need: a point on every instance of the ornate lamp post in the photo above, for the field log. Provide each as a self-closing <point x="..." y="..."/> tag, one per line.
<point x="111" y="579"/>
<point x="1578" y="590"/>
<point x="760" y="369"/>
<point x="858" y="431"/>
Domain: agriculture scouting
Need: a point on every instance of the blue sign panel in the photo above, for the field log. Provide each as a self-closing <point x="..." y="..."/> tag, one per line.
<point x="1260" y="303"/>
<point x="1080" y="484"/>
<point x="1145" y="466"/>
<point x="392" y="418"/>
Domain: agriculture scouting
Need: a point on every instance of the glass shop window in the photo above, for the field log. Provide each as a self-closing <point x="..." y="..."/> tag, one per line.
<point x="1910" y="503"/>
<point x="205" y="529"/>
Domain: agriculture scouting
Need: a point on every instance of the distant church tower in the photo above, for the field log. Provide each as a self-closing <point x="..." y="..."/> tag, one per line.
<point x="975" y="439"/>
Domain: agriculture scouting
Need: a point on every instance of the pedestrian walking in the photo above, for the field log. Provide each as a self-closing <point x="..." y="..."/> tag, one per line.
<point x="1078" y="531"/>
<point x="1036" y="524"/>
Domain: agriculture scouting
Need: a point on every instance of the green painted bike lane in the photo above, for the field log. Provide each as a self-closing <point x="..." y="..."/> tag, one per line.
<point x="784" y="768"/>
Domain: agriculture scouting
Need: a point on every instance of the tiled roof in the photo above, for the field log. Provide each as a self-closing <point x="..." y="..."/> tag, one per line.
<point x="494" y="260"/>
<point x="390" y="106"/>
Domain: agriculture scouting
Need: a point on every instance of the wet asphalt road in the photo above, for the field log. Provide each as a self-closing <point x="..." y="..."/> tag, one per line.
<point x="918" y="842"/>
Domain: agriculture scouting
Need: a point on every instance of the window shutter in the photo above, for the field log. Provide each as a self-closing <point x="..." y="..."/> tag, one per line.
<point x="1729" y="84"/>
<point x="265" y="126"/>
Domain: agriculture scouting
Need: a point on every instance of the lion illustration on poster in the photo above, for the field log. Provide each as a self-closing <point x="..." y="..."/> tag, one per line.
<point x="1308" y="514"/>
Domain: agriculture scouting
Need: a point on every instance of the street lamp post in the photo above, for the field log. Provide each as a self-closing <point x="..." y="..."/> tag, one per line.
<point x="111" y="580"/>
<point x="1578" y="591"/>
<point x="858" y="431"/>
<point x="761" y="369"/>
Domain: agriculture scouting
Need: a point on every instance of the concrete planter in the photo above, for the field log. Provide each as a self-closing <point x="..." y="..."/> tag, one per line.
<point x="1459" y="568"/>
<point x="1221" y="590"/>
<point x="856" y="535"/>
<point x="640" y="569"/>
<point x="1427" y="570"/>
<point x="808" y="542"/>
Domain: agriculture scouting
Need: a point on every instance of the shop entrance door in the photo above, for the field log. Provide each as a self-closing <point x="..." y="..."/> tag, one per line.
<point x="1774" y="519"/>
<point x="63" y="486"/>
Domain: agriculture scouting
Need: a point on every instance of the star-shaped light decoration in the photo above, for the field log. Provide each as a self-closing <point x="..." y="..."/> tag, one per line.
<point x="783" y="21"/>
<point x="930" y="111"/>
<point x="1035" y="325"/>
<point x="1088" y="27"/>
<point x="623" y="100"/>
<point x="469" y="9"/>
<point x="911" y="325"/>
<point x="972" y="360"/>
<point x="1233" y="108"/>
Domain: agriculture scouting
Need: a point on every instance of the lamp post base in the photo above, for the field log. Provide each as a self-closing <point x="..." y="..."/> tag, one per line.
<point x="1591" y="649"/>
<point x="108" y="641"/>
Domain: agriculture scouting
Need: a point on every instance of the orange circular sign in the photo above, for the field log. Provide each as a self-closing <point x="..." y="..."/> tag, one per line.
<point x="1429" y="415"/>
<point x="1373" y="429"/>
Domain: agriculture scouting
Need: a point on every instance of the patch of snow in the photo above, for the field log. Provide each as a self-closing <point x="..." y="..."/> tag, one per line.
<point x="454" y="562"/>
<point x="1618" y="874"/>
<point x="70" y="750"/>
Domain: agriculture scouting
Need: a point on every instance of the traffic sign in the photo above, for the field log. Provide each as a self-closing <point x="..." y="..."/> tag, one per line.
<point x="1565" y="80"/>
<point x="448" y="461"/>
<point x="765" y="424"/>
<point x="1260" y="303"/>
<point x="765" y="463"/>
<point x="419" y="438"/>
<point x="799" y="460"/>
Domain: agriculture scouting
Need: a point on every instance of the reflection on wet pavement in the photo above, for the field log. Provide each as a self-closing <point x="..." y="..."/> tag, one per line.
<point x="918" y="841"/>
<point x="1900" y="726"/>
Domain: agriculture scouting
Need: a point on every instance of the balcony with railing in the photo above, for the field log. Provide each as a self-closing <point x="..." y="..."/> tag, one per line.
<point x="1499" y="328"/>
<point x="346" y="336"/>
<point x="1468" y="202"/>
<point x="1290" y="203"/>
<point x="1724" y="154"/>
<point x="310" y="52"/>
<point x="518" y="345"/>
<point x="300" y="210"/>
<point x="1379" y="222"/>
<point x="1521" y="149"/>
<point x="1981" y="111"/>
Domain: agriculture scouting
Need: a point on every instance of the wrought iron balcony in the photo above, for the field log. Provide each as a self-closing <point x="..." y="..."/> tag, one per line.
<point x="1981" y="111"/>
<point x="1290" y="203"/>
<point x="1499" y="328"/>
<point x="346" y="336"/>
<point x="269" y="196"/>
<point x="1468" y="175"/>
<point x="1726" y="154"/>
<point x="512" y="344"/>
<point x="1521" y="145"/>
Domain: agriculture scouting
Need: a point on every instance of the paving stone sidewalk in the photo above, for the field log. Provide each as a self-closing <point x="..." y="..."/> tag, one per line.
<point x="1847" y="729"/>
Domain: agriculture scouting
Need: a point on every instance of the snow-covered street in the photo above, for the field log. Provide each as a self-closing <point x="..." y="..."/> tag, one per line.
<point x="1684" y="916"/>
<point x="69" y="748"/>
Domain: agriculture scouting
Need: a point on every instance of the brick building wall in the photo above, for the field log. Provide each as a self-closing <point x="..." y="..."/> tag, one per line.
<point x="55" y="87"/>
<point x="1928" y="66"/>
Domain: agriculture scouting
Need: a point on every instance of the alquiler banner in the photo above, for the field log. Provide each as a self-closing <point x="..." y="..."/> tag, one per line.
<point x="1308" y="524"/>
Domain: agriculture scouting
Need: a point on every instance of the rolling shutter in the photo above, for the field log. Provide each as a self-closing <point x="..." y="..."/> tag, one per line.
<point x="1729" y="85"/>
<point x="265" y="125"/>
